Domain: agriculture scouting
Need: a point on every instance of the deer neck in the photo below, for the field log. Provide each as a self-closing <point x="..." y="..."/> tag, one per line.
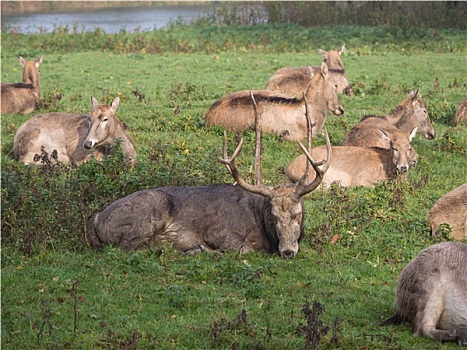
<point x="31" y="76"/>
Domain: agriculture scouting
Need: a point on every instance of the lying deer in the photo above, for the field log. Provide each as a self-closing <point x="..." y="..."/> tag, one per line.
<point x="241" y="217"/>
<point x="359" y="166"/>
<point x="23" y="97"/>
<point x="280" y="113"/>
<point x="409" y="114"/>
<point x="450" y="209"/>
<point x="293" y="81"/>
<point x="75" y="138"/>
<point x="432" y="293"/>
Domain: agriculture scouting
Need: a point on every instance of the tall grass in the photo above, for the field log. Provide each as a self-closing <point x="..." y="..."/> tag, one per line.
<point x="57" y="293"/>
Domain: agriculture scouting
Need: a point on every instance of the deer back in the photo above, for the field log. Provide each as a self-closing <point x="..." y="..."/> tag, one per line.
<point x="450" y="209"/>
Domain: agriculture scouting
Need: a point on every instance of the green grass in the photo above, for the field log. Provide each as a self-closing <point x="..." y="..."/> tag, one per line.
<point x="161" y="299"/>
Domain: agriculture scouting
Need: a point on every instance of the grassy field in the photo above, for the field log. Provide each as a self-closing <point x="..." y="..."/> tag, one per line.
<point x="59" y="294"/>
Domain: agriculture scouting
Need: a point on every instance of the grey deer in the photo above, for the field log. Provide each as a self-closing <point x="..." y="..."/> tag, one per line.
<point x="293" y="81"/>
<point x="74" y="138"/>
<point x="241" y="217"/>
<point x="280" y="114"/>
<point x="25" y="96"/>
<point x="432" y="293"/>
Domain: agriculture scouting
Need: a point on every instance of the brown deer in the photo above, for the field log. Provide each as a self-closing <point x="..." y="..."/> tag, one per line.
<point x="280" y="114"/>
<point x="450" y="209"/>
<point x="74" y="137"/>
<point x="241" y="217"/>
<point x="23" y="97"/>
<point x="461" y="113"/>
<point x="293" y="81"/>
<point x="409" y="114"/>
<point x="359" y="166"/>
<point x="432" y="293"/>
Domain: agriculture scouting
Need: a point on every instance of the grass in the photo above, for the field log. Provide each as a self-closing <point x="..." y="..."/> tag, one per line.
<point x="57" y="293"/>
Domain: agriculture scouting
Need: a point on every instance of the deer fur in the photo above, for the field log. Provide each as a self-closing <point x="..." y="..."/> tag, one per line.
<point x="280" y="114"/>
<point x="23" y="97"/>
<point x="74" y="137"/>
<point x="241" y="217"/>
<point x="432" y="293"/>
<point x="359" y="166"/>
<point x="293" y="81"/>
<point x="409" y="114"/>
<point x="461" y="113"/>
<point x="450" y="209"/>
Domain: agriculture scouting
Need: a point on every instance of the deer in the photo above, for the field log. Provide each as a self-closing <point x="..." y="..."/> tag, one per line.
<point x="281" y="114"/>
<point x="410" y="113"/>
<point x="359" y="166"/>
<point x="73" y="138"/>
<point x="22" y="97"/>
<point x="450" y="209"/>
<point x="432" y="293"/>
<point x="293" y="81"/>
<point x="461" y="113"/>
<point x="242" y="217"/>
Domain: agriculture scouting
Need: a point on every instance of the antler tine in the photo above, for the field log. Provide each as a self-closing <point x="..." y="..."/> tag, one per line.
<point x="303" y="186"/>
<point x="259" y="188"/>
<point x="258" y="142"/>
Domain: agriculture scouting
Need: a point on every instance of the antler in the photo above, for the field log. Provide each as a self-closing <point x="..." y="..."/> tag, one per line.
<point x="303" y="186"/>
<point x="259" y="188"/>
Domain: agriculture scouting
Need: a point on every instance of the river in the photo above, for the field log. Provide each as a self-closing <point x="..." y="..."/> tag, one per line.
<point x="111" y="20"/>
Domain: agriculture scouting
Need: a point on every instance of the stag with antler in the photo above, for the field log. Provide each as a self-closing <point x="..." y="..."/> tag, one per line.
<point x="242" y="217"/>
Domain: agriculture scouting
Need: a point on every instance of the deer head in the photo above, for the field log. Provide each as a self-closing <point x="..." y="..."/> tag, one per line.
<point x="286" y="199"/>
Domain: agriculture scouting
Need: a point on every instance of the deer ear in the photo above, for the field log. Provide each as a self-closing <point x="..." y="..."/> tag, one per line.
<point x="38" y="61"/>
<point x="414" y="94"/>
<point x="94" y="102"/>
<point x="341" y="50"/>
<point x="115" y="103"/>
<point x="21" y="61"/>
<point x="384" y="135"/>
<point x="322" y="53"/>
<point x="324" y="69"/>
<point x="413" y="133"/>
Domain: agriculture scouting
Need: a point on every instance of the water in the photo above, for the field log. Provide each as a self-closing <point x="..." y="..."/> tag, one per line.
<point x="110" y="20"/>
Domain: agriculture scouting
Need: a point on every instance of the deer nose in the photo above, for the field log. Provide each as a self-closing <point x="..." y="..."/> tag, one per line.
<point x="287" y="254"/>
<point x="87" y="144"/>
<point x="404" y="168"/>
<point x="339" y="111"/>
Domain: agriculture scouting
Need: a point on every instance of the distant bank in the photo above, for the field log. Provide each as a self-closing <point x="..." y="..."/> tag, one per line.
<point x="22" y="7"/>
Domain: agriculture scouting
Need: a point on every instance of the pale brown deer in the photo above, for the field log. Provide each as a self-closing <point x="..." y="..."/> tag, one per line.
<point x="280" y="114"/>
<point x="23" y="97"/>
<point x="241" y="217"/>
<point x="409" y="114"/>
<point x="450" y="209"/>
<point x="74" y="138"/>
<point x="461" y="113"/>
<point x="432" y="293"/>
<point x="293" y="81"/>
<point x="359" y="166"/>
